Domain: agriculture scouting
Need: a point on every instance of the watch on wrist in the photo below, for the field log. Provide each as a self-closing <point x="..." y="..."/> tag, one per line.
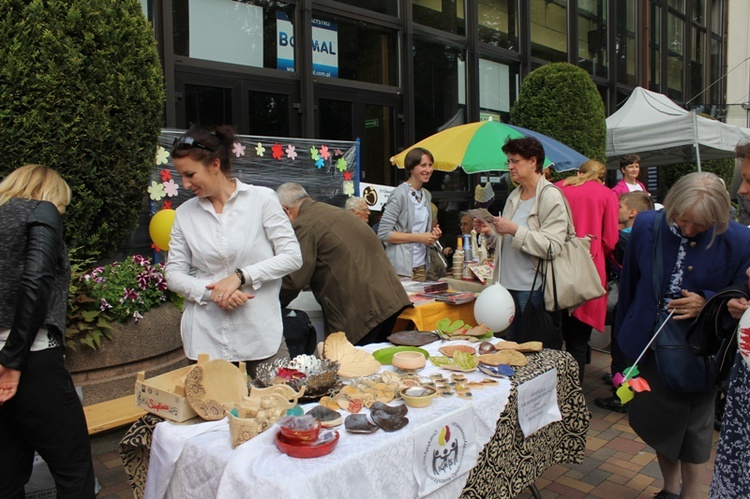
<point x="241" y="276"/>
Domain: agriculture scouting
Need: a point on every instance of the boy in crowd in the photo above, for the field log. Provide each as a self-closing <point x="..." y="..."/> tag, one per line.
<point x="631" y="204"/>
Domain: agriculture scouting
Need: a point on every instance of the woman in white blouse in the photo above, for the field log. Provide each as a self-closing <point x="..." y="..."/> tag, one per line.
<point x="230" y="246"/>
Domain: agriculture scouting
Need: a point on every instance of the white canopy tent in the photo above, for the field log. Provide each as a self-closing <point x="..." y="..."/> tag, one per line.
<point x="662" y="133"/>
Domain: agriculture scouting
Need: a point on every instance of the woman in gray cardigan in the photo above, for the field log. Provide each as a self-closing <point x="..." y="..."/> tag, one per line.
<point x="405" y="227"/>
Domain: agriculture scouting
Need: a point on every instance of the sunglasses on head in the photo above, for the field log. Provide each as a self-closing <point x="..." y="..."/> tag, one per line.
<point x="186" y="142"/>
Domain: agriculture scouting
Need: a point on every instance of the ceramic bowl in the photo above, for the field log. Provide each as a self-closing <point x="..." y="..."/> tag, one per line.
<point x="418" y="396"/>
<point x="300" y="430"/>
<point x="325" y="444"/>
<point x="408" y="360"/>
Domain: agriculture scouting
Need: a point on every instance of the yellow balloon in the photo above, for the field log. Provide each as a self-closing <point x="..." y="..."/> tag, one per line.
<point x="160" y="228"/>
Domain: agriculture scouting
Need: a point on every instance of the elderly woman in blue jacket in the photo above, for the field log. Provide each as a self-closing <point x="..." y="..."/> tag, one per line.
<point x="703" y="252"/>
<point x="406" y="225"/>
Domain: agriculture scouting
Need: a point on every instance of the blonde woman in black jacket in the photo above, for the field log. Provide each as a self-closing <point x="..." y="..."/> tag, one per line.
<point x="39" y="407"/>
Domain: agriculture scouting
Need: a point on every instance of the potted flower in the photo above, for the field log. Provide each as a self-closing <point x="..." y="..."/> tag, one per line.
<point x="128" y="303"/>
<point x="114" y="293"/>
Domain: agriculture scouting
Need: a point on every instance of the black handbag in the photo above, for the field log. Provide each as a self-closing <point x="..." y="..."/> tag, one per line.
<point x="536" y="324"/>
<point x="690" y="356"/>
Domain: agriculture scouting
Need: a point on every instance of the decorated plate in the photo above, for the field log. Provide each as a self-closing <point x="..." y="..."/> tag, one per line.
<point x="214" y="387"/>
<point x="385" y="355"/>
<point x="499" y="371"/>
<point x="413" y="338"/>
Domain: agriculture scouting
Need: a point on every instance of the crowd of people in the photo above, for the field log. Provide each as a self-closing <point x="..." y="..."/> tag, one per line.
<point x="239" y="253"/>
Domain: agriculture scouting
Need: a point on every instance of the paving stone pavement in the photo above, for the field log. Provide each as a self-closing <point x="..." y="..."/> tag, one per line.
<point x="617" y="464"/>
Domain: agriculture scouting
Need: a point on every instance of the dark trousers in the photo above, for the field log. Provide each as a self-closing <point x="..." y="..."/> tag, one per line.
<point x="381" y="332"/>
<point x="45" y="415"/>
<point x="576" y="335"/>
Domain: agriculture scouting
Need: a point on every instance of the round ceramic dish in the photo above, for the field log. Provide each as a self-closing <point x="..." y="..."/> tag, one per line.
<point x="417" y="396"/>
<point x="324" y="445"/>
<point x="408" y="360"/>
<point x="385" y="355"/>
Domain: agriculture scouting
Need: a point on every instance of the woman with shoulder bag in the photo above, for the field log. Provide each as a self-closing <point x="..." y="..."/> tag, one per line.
<point x="701" y="252"/>
<point x="532" y="228"/>
<point x="594" y="209"/>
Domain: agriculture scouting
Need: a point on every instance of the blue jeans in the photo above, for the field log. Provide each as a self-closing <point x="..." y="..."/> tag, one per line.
<point x="520" y="298"/>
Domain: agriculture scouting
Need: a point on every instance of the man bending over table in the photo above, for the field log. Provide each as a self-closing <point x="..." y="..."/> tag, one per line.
<point x="346" y="268"/>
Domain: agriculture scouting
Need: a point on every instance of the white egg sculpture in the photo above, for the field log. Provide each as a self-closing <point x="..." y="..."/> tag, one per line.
<point x="743" y="336"/>
<point x="495" y="308"/>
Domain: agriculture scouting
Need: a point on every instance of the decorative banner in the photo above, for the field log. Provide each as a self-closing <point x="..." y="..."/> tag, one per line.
<point x="375" y="195"/>
<point x="537" y="402"/>
<point x="444" y="450"/>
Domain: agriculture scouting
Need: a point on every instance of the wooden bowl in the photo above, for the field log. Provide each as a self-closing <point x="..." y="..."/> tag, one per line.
<point x="417" y="396"/>
<point x="408" y="360"/>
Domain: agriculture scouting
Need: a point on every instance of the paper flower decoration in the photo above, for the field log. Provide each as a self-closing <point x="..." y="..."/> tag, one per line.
<point x="314" y="153"/>
<point x="277" y="151"/>
<point x="165" y="175"/>
<point x="162" y="155"/>
<point x="156" y="191"/>
<point x="238" y="149"/>
<point x="324" y="153"/>
<point x="347" y="175"/>
<point x="338" y="152"/>
<point x="348" y="187"/>
<point x="170" y="188"/>
<point x="320" y="163"/>
<point x="341" y="164"/>
<point x="167" y="205"/>
<point x="290" y="152"/>
<point x="260" y="150"/>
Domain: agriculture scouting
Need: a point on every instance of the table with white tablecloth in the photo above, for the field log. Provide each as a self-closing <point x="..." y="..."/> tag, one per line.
<point x="198" y="461"/>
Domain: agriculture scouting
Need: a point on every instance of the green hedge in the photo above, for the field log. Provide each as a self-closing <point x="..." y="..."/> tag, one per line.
<point x="81" y="90"/>
<point x="560" y="101"/>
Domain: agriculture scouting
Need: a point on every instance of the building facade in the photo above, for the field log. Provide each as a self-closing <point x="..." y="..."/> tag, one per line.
<point x="392" y="72"/>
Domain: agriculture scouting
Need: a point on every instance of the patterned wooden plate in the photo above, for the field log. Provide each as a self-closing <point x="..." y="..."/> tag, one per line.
<point x="449" y="350"/>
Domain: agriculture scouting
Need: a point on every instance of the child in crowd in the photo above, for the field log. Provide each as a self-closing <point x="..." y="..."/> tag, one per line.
<point x="631" y="204"/>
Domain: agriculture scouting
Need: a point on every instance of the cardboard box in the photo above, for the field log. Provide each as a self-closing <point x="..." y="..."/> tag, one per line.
<point x="164" y="395"/>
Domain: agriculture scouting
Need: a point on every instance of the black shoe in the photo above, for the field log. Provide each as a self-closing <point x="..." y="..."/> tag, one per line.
<point x="607" y="378"/>
<point x="665" y="494"/>
<point x="612" y="404"/>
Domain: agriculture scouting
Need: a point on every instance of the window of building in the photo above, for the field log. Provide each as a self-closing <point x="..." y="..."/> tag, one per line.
<point x="354" y="50"/>
<point x="699" y="11"/>
<point x="717" y="63"/>
<point x="249" y="33"/>
<point x="269" y="114"/>
<point x="497" y="90"/>
<point x="625" y="43"/>
<point x="675" y="57"/>
<point x="446" y="16"/>
<point x="207" y="106"/>
<point x="654" y="72"/>
<point x="498" y="23"/>
<point x="439" y="77"/>
<point x="697" y="64"/>
<point x="593" y="35"/>
<point x="677" y="5"/>
<point x="549" y="30"/>
<point x="717" y="16"/>
<point x="388" y="7"/>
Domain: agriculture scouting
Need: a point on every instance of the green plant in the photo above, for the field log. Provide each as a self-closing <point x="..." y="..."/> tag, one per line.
<point x="117" y="292"/>
<point x="561" y="101"/>
<point x="81" y="90"/>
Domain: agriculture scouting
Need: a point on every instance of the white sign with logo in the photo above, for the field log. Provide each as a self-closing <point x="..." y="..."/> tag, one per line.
<point x="444" y="450"/>
<point x="537" y="402"/>
<point x="375" y="195"/>
<point x="325" y="47"/>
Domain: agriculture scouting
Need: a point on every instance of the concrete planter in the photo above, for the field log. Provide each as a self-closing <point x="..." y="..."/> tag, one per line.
<point x="153" y="344"/>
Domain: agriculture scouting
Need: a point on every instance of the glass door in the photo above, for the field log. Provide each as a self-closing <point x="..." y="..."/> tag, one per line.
<point x="348" y="115"/>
